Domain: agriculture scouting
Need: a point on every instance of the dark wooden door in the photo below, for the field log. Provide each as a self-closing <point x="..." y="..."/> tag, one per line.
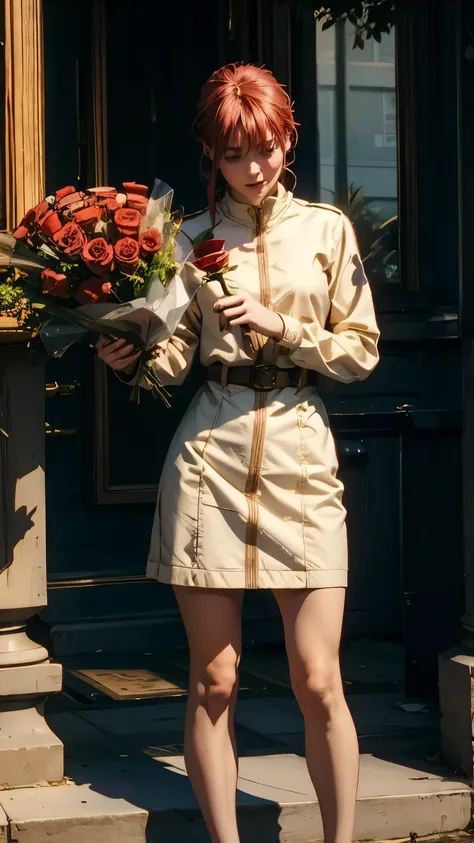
<point x="370" y="138"/>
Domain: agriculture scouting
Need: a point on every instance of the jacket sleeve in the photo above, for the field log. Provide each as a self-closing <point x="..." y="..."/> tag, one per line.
<point x="348" y="351"/>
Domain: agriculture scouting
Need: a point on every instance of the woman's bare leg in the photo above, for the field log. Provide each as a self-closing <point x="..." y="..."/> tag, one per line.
<point x="313" y="620"/>
<point x="213" y="625"/>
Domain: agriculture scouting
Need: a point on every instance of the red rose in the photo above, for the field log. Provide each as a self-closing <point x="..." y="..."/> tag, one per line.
<point x="211" y="256"/>
<point x="100" y="190"/>
<point x="41" y="209"/>
<point x="93" y="291"/>
<point x="150" y="242"/>
<point x="65" y="191"/>
<point x="26" y="225"/>
<point x="21" y="233"/>
<point x="72" y="202"/>
<point x="87" y="218"/>
<point x="55" y="283"/>
<point x="98" y="255"/>
<point x="133" y="187"/>
<point x="50" y="223"/>
<point x="127" y="221"/>
<point x="71" y="239"/>
<point x="137" y="202"/>
<point x="127" y="255"/>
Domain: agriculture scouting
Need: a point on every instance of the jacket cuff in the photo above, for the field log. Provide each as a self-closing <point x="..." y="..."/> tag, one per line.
<point x="131" y="379"/>
<point x="293" y="332"/>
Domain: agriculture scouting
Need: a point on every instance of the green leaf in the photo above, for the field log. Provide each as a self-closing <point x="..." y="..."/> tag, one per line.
<point x="208" y="234"/>
<point x="327" y="24"/>
<point x="359" y="42"/>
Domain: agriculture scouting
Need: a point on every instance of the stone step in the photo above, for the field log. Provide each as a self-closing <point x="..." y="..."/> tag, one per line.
<point x="149" y="800"/>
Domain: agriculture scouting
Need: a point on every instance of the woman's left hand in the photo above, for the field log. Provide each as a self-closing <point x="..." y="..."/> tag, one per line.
<point x="242" y="310"/>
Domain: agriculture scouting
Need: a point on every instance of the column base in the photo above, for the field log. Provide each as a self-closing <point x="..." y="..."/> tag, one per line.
<point x="29" y="751"/>
<point x="456" y="691"/>
<point x="30" y="754"/>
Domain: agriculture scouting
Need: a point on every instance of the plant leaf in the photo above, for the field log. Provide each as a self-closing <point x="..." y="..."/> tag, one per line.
<point x="208" y="234"/>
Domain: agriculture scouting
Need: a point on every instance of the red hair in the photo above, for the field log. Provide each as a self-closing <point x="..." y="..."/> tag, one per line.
<point x="241" y="97"/>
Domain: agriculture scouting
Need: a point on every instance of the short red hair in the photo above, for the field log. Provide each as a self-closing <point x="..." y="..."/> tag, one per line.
<point x="241" y="96"/>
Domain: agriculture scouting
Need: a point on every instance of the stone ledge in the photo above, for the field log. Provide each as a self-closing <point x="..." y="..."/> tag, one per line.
<point x="134" y="801"/>
<point x="36" y="679"/>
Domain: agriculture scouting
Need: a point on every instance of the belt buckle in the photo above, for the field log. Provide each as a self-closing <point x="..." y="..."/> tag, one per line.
<point x="264" y="377"/>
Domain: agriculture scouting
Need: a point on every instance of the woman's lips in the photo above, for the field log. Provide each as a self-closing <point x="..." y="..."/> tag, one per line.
<point x="255" y="184"/>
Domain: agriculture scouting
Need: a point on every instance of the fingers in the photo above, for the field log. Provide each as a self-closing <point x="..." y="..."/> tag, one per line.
<point x="118" y="355"/>
<point x="229" y="301"/>
<point x="105" y="343"/>
<point x="125" y="362"/>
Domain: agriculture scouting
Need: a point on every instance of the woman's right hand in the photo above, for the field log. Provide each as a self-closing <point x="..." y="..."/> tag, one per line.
<point x="118" y="355"/>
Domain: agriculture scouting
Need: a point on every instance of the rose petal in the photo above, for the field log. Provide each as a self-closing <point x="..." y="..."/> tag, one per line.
<point x="209" y="247"/>
<point x="50" y="223"/>
<point x="65" y="191"/>
<point x="21" y="232"/>
<point x="87" y="218"/>
<point x="107" y="190"/>
<point x="212" y="263"/>
<point x="133" y="187"/>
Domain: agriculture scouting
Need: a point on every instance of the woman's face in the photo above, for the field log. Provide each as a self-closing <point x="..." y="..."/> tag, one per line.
<point x="252" y="173"/>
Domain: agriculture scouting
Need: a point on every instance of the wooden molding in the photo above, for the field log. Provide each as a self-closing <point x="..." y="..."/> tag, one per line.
<point x="24" y="108"/>
<point x="99" y="91"/>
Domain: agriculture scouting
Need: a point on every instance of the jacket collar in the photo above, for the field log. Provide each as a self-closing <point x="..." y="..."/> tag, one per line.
<point x="272" y="209"/>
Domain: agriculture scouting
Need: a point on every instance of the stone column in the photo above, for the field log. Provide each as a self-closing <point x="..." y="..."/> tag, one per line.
<point x="29" y="752"/>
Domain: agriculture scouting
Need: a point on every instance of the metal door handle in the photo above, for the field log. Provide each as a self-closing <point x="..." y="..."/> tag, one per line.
<point x="50" y="430"/>
<point x="56" y="388"/>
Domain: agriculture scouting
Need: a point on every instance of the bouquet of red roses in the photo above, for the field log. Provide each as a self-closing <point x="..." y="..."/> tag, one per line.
<point x="101" y="261"/>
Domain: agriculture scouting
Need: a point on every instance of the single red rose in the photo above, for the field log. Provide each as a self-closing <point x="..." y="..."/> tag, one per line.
<point x="108" y="205"/>
<point x="133" y="187"/>
<point x="93" y="291"/>
<point x="102" y="190"/>
<point x="21" y="233"/>
<point x="211" y="256"/>
<point x="26" y="225"/>
<point x="127" y="221"/>
<point x="137" y="202"/>
<point x="55" y="283"/>
<point x="72" y="202"/>
<point x="150" y="242"/>
<point x="87" y="218"/>
<point x="71" y="239"/>
<point x="65" y="191"/>
<point x="127" y="255"/>
<point x="98" y="255"/>
<point x="41" y="209"/>
<point x="50" y="223"/>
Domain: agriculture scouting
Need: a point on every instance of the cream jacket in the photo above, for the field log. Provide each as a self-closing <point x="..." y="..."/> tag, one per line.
<point x="249" y="494"/>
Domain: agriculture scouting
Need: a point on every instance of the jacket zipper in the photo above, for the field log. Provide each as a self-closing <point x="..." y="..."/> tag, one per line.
<point x="259" y="427"/>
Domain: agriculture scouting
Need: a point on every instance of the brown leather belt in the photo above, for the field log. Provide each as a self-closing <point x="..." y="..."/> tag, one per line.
<point x="262" y="377"/>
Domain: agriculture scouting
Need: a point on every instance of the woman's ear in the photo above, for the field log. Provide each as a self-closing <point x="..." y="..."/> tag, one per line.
<point x="207" y="151"/>
<point x="288" y="145"/>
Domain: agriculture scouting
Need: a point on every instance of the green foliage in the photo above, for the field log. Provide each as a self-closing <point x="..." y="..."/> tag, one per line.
<point x="14" y="303"/>
<point x="370" y="18"/>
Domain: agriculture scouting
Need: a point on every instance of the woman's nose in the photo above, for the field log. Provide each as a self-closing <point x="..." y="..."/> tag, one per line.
<point x="254" y="169"/>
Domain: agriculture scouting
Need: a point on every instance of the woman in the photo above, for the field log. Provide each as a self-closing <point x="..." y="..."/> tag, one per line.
<point x="249" y="493"/>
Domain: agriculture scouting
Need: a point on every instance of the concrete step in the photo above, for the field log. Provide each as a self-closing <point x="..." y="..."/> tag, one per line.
<point x="139" y="800"/>
<point x="127" y="779"/>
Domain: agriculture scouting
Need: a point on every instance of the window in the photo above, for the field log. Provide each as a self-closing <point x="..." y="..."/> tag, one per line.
<point x="357" y="116"/>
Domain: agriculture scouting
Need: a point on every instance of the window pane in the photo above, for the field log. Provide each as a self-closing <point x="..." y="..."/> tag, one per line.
<point x="357" y="115"/>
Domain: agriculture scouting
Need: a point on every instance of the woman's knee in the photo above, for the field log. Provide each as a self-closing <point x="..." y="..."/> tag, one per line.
<point x="318" y="687"/>
<point x="216" y="685"/>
